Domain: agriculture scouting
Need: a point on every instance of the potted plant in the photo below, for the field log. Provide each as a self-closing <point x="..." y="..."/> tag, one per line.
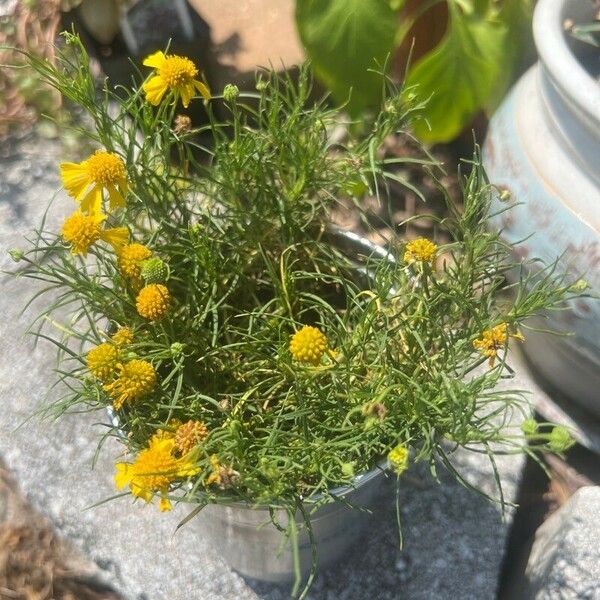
<point x="253" y="361"/>
<point x="543" y="149"/>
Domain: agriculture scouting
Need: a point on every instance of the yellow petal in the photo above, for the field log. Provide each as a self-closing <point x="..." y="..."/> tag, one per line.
<point x="203" y="89"/>
<point x="75" y="178"/>
<point x="155" y="60"/>
<point x="187" y="93"/>
<point x="155" y="90"/>
<point x="116" y="198"/>
<point x="141" y="492"/>
<point x="122" y="476"/>
<point x="165" y="505"/>
<point x="91" y="203"/>
<point x="117" y="237"/>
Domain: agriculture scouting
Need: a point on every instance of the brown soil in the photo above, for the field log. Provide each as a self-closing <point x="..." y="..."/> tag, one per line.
<point x="35" y="564"/>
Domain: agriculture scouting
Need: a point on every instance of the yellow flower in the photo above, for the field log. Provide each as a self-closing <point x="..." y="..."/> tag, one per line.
<point x="102" y="361"/>
<point x="153" y="302"/>
<point x="175" y="73"/>
<point x="308" y="345"/>
<point x="153" y="471"/>
<point x="422" y="250"/>
<point x="131" y="257"/>
<point x="398" y="458"/>
<point x="136" y="379"/>
<point x="494" y="339"/>
<point x="123" y="336"/>
<point x="188" y="435"/>
<point x="82" y="231"/>
<point x="102" y="171"/>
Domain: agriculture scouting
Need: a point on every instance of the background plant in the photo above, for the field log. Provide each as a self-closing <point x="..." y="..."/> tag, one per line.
<point x="468" y="71"/>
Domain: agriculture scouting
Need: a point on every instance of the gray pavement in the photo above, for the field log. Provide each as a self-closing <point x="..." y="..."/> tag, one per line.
<point x="454" y="539"/>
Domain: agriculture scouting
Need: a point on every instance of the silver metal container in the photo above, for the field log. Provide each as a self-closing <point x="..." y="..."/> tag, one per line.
<point x="543" y="145"/>
<point x="253" y="546"/>
<point x="245" y="535"/>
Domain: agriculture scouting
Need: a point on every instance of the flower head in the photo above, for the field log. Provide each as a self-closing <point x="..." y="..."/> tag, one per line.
<point x="560" y="439"/>
<point x="420" y="250"/>
<point x="155" y="270"/>
<point x="494" y="339"/>
<point x="224" y="476"/>
<point x="183" y="124"/>
<point x="153" y="302"/>
<point x="175" y="73"/>
<point x="86" y="180"/>
<point x="136" y="379"/>
<point x="103" y="361"/>
<point x="131" y="257"/>
<point x="83" y="231"/>
<point x="153" y="471"/>
<point x="189" y="435"/>
<point x="122" y="337"/>
<point x="308" y="345"/>
<point x="398" y="458"/>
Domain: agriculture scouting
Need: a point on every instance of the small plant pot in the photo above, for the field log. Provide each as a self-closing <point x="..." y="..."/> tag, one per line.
<point x="252" y="545"/>
<point x="246" y="536"/>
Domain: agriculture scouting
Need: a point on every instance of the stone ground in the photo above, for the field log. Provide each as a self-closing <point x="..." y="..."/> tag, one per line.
<point x="454" y="539"/>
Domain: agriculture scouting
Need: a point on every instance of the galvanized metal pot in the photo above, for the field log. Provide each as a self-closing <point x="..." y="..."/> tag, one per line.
<point x="245" y="535"/>
<point x="543" y="146"/>
<point x="253" y="546"/>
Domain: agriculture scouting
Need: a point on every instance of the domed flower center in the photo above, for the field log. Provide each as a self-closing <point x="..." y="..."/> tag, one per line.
<point x="81" y="231"/>
<point x="154" y="469"/>
<point x="177" y="71"/>
<point x="105" y="168"/>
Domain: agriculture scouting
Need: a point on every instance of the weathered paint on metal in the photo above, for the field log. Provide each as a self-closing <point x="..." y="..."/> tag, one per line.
<point x="543" y="147"/>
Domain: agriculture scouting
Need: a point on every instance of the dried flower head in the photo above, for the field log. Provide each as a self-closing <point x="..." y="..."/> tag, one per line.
<point x="183" y="124"/>
<point x="189" y="435"/>
<point x="221" y="475"/>
<point x="308" y="345"/>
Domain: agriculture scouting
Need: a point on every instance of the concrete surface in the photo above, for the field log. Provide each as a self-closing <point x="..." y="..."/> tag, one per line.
<point x="247" y="35"/>
<point x="565" y="557"/>
<point x="453" y="538"/>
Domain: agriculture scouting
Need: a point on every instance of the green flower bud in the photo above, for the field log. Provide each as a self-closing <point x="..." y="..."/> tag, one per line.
<point x="560" y="439"/>
<point x="176" y="349"/>
<point x="154" y="270"/>
<point x="505" y="196"/>
<point x="529" y="427"/>
<point x="230" y="93"/>
<point x="580" y="285"/>
<point x="16" y="255"/>
<point x="348" y="469"/>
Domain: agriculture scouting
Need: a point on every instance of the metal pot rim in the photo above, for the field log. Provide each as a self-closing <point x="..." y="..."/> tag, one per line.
<point x="575" y="84"/>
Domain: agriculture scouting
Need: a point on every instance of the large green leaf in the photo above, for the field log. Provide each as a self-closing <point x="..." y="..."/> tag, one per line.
<point x="344" y="39"/>
<point x="463" y="72"/>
